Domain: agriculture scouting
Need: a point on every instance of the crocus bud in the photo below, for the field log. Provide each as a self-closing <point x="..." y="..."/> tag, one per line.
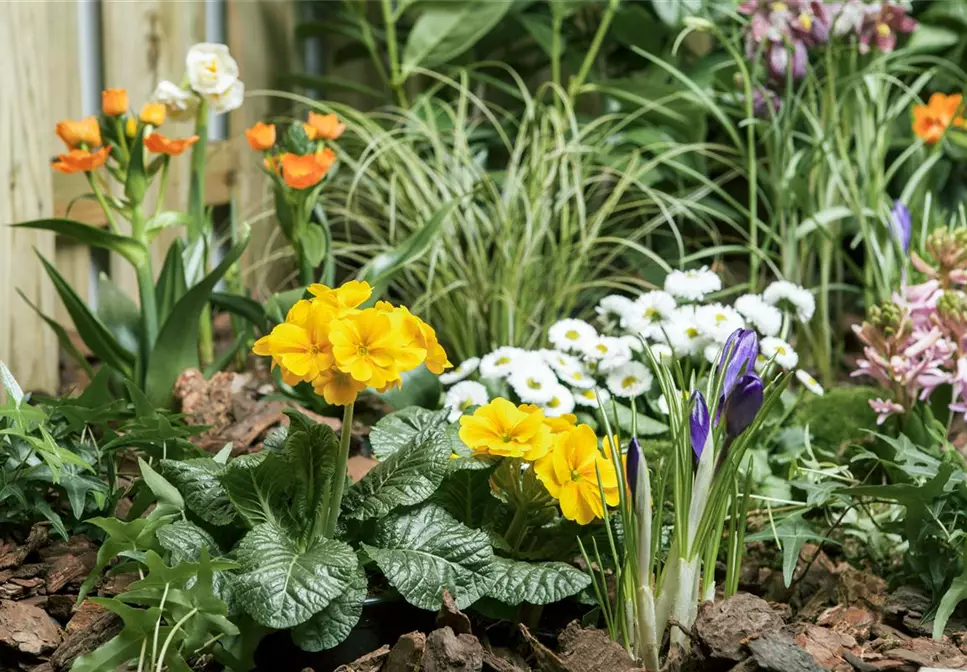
<point x="900" y="223"/>
<point x="700" y="423"/>
<point x="633" y="467"/>
<point x="742" y="404"/>
<point x="738" y="356"/>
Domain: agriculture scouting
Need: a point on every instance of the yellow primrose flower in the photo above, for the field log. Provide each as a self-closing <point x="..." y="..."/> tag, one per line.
<point x="300" y="347"/>
<point x="336" y="387"/>
<point x="563" y="423"/>
<point x="570" y="473"/>
<point x="501" y="428"/>
<point x="366" y="346"/>
<point x="344" y="298"/>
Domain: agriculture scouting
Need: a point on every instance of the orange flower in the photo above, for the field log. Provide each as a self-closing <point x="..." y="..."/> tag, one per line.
<point x="931" y="121"/>
<point x="80" y="160"/>
<point x="160" y="144"/>
<point x="76" y="133"/>
<point x="152" y="113"/>
<point x="114" y="102"/>
<point x="325" y="158"/>
<point x="323" y="127"/>
<point x="260" y="136"/>
<point x="301" y="172"/>
<point x="271" y="164"/>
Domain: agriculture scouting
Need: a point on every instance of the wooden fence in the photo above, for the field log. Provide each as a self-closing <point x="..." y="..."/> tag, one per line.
<point x="56" y="55"/>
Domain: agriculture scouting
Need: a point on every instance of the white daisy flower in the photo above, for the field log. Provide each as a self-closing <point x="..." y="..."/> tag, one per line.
<point x="809" y="382"/>
<point x="792" y="298"/>
<point x="609" y="353"/>
<point x="631" y="380"/>
<point x="500" y="362"/>
<point x="589" y="397"/>
<point x="579" y="376"/>
<point x="533" y="384"/>
<point x="561" y="361"/>
<point x="572" y="335"/>
<point x="766" y="318"/>
<point x="648" y="311"/>
<point x="662" y="352"/>
<point x="560" y="403"/>
<point x="633" y="342"/>
<point x="717" y="321"/>
<point x="684" y="337"/>
<point x="771" y="347"/>
<point x="463" y="395"/>
<point x="465" y="368"/>
<point x="612" y="307"/>
<point x="711" y="352"/>
<point x="693" y="284"/>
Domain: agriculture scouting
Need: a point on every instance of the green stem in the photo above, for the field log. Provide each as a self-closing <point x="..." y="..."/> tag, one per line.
<point x="556" y="50"/>
<point x="163" y="187"/>
<point x="339" y="473"/>
<point x="99" y="195"/>
<point x="149" y="314"/>
<point x="518" y="527"/>
<point x="306" y="271"/>
<point x="396" y="79"/>
<point x="593" y="50"/>
<point x="196" y="189"/>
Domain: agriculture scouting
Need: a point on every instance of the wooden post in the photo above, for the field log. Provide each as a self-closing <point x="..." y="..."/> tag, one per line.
<point x="27" y="345"/>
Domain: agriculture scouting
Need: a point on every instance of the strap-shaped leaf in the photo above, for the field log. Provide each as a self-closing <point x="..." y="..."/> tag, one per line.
<point x="177" y="346"/>
<point x="241" y="306"/>
<point x="171" y="285"/>
<point x="92" y="331"/>
<point x="129" y="248"/>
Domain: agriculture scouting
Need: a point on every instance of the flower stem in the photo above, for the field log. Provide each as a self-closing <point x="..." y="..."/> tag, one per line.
<point x="396" y="78"/>
<point x="99" y="195"/>
<point x="593" y="50"/>
<point x="339" y="473"/>
<point x="518" y="527"/>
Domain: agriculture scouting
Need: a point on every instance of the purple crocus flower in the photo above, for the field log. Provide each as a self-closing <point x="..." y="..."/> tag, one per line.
<point x="901" y="224"/>
<point x="742" y="404"/>
<point x="631" y="467"/>
<point x="700" y="423"/>
<point x="738" y="357"/>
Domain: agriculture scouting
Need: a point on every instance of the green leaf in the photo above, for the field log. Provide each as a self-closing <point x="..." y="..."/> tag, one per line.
<point x="954" y="596"/>
<point x="164" y="220"/>
<point x="426" y="551"/>
<point x="446" y="30"/>
<point x="162" y="489"/>
<point x="380" y="271"/>
<point x="565" y="8"/>
<point x="407" y="477"/>
<point x="177" y="346"/>
<point x="92" y="331"/>
<point x="10" y="384"/>
<point x="792" y="533"/>
<point x="313" y="242"/>
<point x="331" y="626"/>
<point x="466" y="495"/>
<point x="932" y="38"/>
<point x="139" y="627"/>
<point x="63" y="339"/>
<point x="540" y="29"/>
<point x="119" y="313"/>
<point x="312" y="459"/>
<point x="396" y="430"/>
<point x="282" y="585"/>
<point x="197" y="480"/>
<point x="185" y="541"/>
<point x="241" y="306"/>
<point x="256" y="484"/>
<point x="420" y="387"/>
<point x="622" y="416"/>
<point x="535" y="583"/>
<point x="171" y="284"/>
<point x="673" y="12"/>
<point x="127" y="247"/>
<point x="137" y="534"/>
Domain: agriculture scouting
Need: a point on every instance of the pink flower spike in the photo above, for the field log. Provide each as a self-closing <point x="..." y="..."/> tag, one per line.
<point x="884" y="409"/>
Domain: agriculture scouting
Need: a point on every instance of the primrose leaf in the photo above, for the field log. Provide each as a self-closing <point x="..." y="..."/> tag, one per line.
<point x="312" y="457"/>
<point x="535" y="583"/>
<point x="256" y="484"/>
<point x="466" y="495"/>
<point x="282" y="585"/>
<point x="426" y="551"/>
<point x="197" y="480"/>
<point x="396" y="430"/>
<point x="406" y="477"/>
<point x="185" y="541"/>
<point x="333" y="624"/>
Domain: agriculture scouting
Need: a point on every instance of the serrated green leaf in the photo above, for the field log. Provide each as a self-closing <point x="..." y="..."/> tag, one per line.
<point x="331" y="626"/>
<point x="162" y="489"/>
<point x="256" y="485"/>
<point x="176" y="347"/>
<point x="312" y="456"/>
<point x="396" y="430"/>
<point x="466" y="495"/>
<point x="405" y="478"/>
<point x="197" y="480"/>
<point x="426" y="551"/>
<point x="535" y="582"/>
<point x="281" y="585"/>
<point x="184" y="541"/>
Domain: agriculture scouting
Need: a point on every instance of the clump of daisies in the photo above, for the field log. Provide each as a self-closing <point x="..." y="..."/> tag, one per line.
<point x="606" y="361"/>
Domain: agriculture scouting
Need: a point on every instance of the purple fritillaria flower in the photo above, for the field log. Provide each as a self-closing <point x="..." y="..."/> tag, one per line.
<point x="700" y="423"/>
<point x="901" y="224"/>
<point x="765" y="103"/>
<point x="742" y="404"/>
<point x="881" y="24"/>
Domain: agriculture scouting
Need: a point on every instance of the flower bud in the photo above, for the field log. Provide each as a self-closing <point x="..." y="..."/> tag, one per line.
<point x="901" y="224"/>
<point x="738" y="356"/>
<point x="152" y="113"/>
<point x="699" y="423"/>
<point x="114" y="102"/>
<point x="742" y="404"/>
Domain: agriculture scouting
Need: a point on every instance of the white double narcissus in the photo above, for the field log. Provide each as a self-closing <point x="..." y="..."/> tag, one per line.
<point x="179" y="103"/>
<point x="210" y="68"/>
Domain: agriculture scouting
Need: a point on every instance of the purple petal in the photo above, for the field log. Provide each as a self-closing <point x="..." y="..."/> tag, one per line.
<point x="631" y="468"/>
<point x="700" y="423"/>
<point x="742" y="404"/>
<point x="800" y="60"/>
<point x="738" y="357"/>
<point x="901" y="224"/>
<point x="778" y="61"/>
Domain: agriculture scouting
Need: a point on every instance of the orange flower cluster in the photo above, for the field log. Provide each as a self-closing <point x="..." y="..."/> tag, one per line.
<point x="932" y="120"/>
<point x="298" y="170"/>
<point x="84" y="140"/>
<point x="341" y="349"/>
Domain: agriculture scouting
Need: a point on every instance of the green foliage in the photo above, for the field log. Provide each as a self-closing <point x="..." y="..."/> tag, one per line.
<point x="837" y="418"/>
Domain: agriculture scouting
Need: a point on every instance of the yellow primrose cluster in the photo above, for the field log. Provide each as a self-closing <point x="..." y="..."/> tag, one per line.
<point x="566" y="456"/>
<point x="341" y="349"/>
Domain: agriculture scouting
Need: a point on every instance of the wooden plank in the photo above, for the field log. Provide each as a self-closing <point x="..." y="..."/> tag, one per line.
<point x="261" y="38"/>
<point x="27" y="345"/>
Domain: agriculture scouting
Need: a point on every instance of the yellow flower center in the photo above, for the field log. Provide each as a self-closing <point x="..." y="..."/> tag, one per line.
<point x="465" y="404"/>
<point x="577" y="375"/>
<point x="588" y="394"/>
<point x="362" y="351"/>
<point x="691" y="332"/>
<point x="534" y="384"/>
<point x="806" y="21"/>
<point x="503" y="360"/>
<point x="313" y="349"/>
<point x="781" y="350"/>
<point x="554" y="403"/>
<point x="575" y="476"/>
<point x="779" y="7"/>
<point x="650" y="312"/>
<point x="720" y="317"/>
<point x="212" y="66"/>
<point x="507" y="438"/>
<point x="572" y="335"/>
<point x="628" y="381"/>
<point x="883" y="30"/>
<point x="602" y="348"/>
